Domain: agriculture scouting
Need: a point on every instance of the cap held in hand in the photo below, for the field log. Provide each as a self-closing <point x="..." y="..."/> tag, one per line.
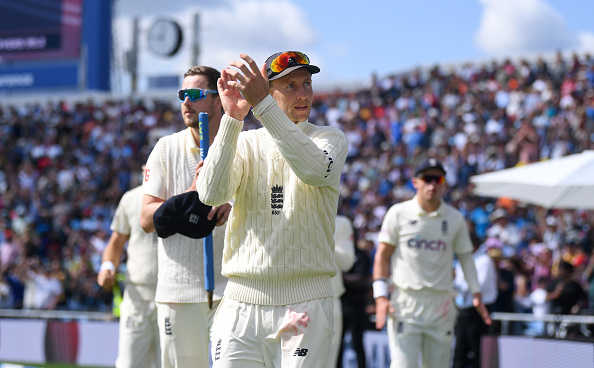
<point x="184" y="214"/>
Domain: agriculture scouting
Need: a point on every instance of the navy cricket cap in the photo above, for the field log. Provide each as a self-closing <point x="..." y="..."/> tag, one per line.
<point x="184" y="214"/>
<point x="282" y="63"/>
<point x="429" y="164"/>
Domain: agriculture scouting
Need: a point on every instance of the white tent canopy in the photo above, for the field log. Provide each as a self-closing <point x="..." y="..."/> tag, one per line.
<point x="565" y="182"/>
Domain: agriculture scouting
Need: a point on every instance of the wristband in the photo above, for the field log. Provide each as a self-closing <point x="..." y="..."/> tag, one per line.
<point x="107" y="265"/>
<point x="380" y="288"/>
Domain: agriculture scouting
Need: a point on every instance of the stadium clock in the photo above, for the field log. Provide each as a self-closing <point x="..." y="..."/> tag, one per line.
<point x="165" y="37"/>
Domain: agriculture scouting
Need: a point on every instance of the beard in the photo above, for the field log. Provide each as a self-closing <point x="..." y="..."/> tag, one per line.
<point x="191" y="122"/>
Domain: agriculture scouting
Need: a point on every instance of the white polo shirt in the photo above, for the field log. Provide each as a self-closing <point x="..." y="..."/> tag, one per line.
<point x="141" y="267"/>
<point x="425" y="244"/>
<point x="170" y="170"/>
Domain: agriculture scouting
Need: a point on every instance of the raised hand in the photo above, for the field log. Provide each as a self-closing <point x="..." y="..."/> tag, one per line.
<point x="233" y="103"/>
<point x="249" y="80"/>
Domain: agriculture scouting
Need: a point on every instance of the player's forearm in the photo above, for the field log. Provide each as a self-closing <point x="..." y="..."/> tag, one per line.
<point x="146" y="216"/>
<point x="467" y="265"/>
<point x="115" y="248"/>
<point x="381" y="262"/>
<point x="315" y="163"/>
<point x="214" y="184"/>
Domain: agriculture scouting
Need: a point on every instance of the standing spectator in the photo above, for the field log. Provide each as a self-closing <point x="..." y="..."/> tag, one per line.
<point x="423" y="234"/>
<point x="589" y="277"/>
<point x="505" y="230"/>
<point x="470" y="327"/>
<point x="540" y="304"/>
<point x="525" y="144"/>
<point x="505" y="283"/>
<point x="185" y="318"/>
<point x="344" y="254"/>
<point x="566" y="294"/>
<point x="10" y="250"/>
<point x="138" y="344"/>
<point x="42" y="287"/>
<point x="279" y="254"/>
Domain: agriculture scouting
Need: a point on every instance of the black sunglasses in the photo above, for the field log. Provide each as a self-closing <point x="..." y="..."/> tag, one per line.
<point x="194" y="94"/>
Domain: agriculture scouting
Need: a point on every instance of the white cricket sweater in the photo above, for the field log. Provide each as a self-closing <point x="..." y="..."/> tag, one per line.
<point x="285" y="177"/>
<point x="171" y="168"/>
<point x="141" y="266"/>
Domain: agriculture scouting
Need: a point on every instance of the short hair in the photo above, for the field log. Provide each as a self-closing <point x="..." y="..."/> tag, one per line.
<point x="564" y="265"/>
<point x="211" y="74"/>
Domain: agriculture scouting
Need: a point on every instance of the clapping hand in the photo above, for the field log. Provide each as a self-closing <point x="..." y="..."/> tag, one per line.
<point x="243" y="89"/>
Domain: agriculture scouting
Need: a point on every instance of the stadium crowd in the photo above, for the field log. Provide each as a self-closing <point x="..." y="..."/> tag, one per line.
<point x="64" y="167"/>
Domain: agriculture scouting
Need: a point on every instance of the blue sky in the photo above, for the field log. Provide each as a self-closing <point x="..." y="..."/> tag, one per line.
<point x="351" y="40"/>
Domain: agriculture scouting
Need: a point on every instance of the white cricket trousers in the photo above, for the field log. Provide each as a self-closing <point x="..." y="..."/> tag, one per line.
<point x="138" y="343"/>
<point x="184" y="330"/>
<point x="268" y="336"/>
<point x="336" y="335"/>
<point x="423" y="323"/>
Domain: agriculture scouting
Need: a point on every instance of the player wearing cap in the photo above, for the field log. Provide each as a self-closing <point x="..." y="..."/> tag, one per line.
<point x="279" y="244"/>
<point x="420" y="236"/>
<point x="184" y="316"/>
<point x="138" y="343"/>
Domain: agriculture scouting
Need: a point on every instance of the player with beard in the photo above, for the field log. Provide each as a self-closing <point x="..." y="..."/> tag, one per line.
<point x="184" y="315"/>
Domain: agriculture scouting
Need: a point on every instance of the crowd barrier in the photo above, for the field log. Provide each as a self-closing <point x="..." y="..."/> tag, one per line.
<point x="90" y="339"/>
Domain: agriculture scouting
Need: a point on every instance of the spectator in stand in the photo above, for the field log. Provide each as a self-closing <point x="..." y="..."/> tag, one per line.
<point x="470" y="326"/>
<point x="567" y="296"/>
<point x="505" y="282"/>
<point x="10" y="250"/>
<point x="539" y="302"/>
<point x="504" y="229"/>
<point x="589" y="278"/>
<point x="43" y="289"/>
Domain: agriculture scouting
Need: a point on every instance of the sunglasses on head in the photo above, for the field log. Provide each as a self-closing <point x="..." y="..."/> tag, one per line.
<point x="194" y="94"/>
<point x="438" y="179"/>
<point x="283" y="61"/>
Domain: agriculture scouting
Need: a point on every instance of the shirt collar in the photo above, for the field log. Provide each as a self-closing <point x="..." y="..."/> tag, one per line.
<point x="302" y="124"/>
<point x="191" y="143"/>
<point x="421" y="212"/>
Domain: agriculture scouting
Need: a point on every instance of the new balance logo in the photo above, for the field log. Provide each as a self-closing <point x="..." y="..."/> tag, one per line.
<point x="168" y="329"/>
<point x="300" y="352"/>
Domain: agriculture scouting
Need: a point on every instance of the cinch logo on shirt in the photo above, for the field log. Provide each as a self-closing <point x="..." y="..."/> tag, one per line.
<point x="434" y="245"/>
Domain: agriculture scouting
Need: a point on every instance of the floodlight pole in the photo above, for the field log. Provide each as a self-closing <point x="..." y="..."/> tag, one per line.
<point x="133" y="60"/>
<point x="195" y="40"/>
